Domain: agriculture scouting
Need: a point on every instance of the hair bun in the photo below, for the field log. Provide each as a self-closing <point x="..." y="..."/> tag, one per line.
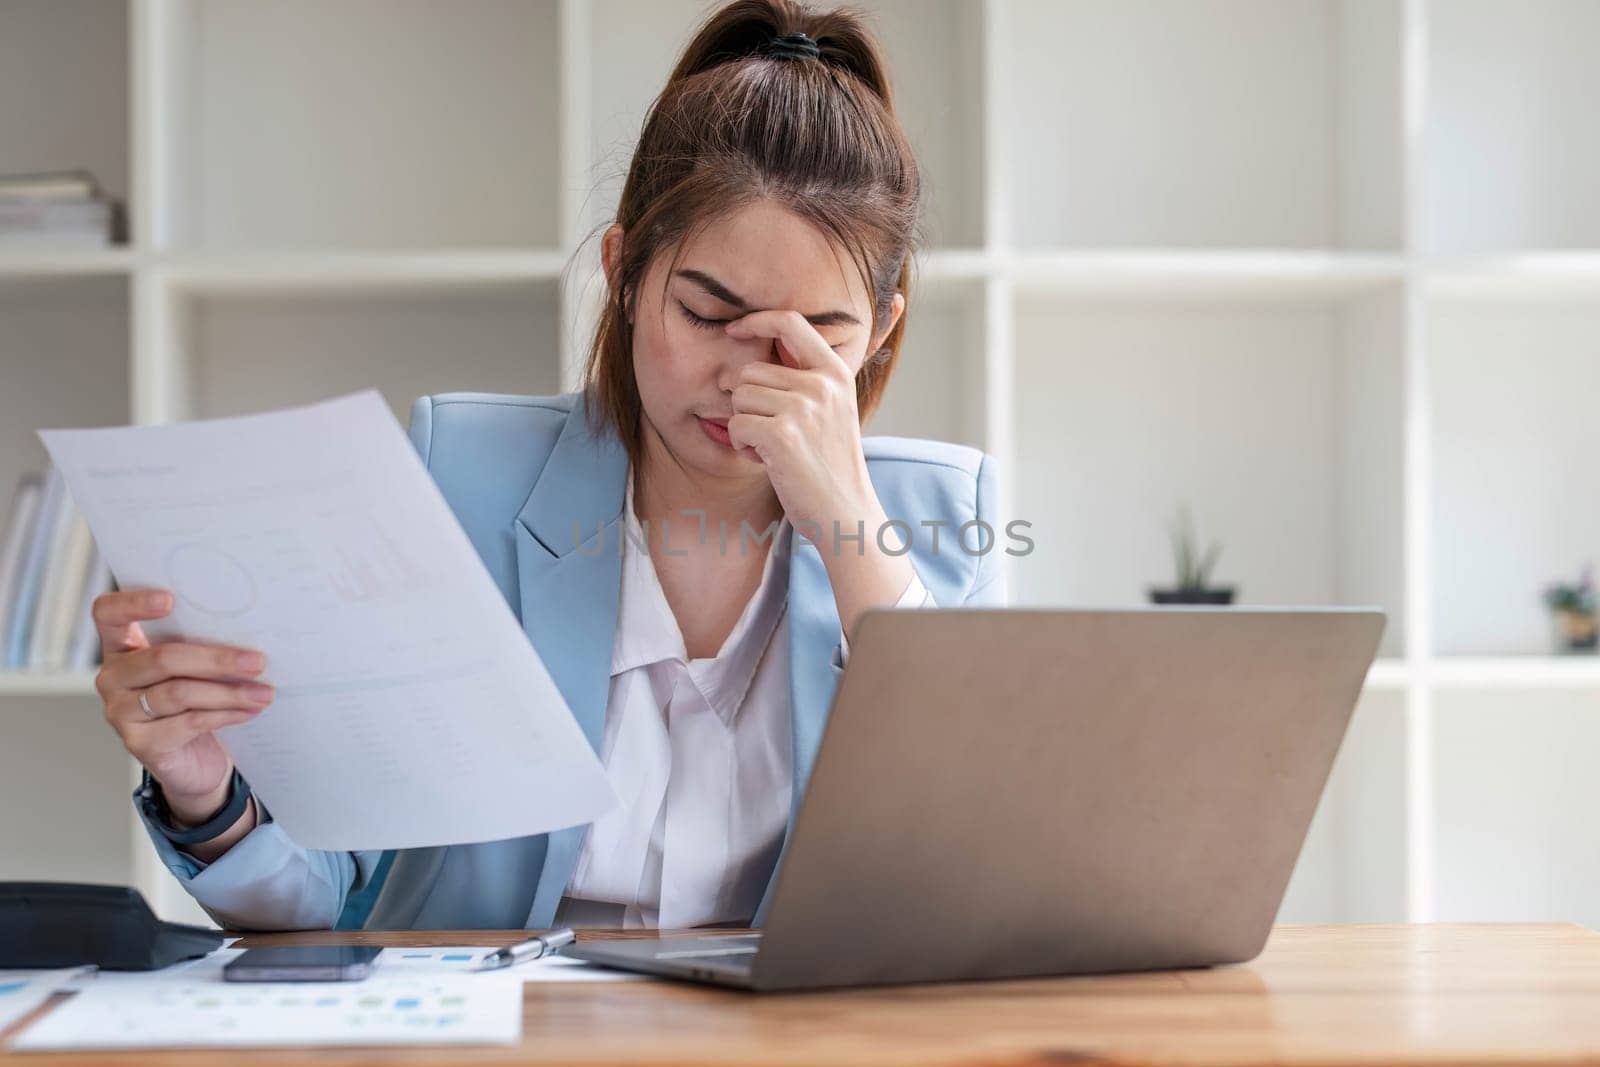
<point x="797" y="45"/>
<point x="841" y="37"/>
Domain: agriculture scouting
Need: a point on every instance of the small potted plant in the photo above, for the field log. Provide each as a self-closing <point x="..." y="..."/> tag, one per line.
<point x="1194" y="569"/>
<point x="1573" y="607"/>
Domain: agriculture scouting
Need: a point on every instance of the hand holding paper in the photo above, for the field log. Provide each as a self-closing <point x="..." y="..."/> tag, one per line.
<point x="410" y="708"/>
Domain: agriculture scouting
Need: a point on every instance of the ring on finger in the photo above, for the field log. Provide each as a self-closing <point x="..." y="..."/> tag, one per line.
<point x="144" y="702"/>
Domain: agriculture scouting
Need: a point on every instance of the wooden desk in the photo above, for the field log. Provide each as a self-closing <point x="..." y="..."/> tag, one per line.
<point x="1318" y="995"/>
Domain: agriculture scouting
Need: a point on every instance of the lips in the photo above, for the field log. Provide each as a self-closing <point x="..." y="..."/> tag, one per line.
<point x="716" y="430"/>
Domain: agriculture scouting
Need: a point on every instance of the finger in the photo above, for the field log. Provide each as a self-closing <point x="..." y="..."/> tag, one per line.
<point x="116" y="616"/>
<point x="174" y="659"/>
<point x="799" y="343"/>
<point x="178" y="695"/>
<point x="760" y="399"/>
<point x="151" y="740"/>
<point x="777" y="376"/>
<point x="750" y="434"/>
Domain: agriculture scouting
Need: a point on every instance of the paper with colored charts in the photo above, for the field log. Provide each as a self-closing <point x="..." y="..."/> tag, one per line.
<point x="415" y="996"/>
<point x="410" y="710"/>
<point x="23" y="991"/>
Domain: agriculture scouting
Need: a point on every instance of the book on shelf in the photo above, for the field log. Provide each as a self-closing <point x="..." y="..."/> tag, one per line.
<point x="25" y="502"/>
<point x="25" y="589"/>
<point x="49" y="185"/>
<point x="57" y="209"/>
<point x="63" y="582"/>
<point x="83" y="649"/>
<point x="50" y="575"/>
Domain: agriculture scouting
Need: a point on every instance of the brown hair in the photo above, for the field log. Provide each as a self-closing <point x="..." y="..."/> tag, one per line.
<point x="734" y="125"/>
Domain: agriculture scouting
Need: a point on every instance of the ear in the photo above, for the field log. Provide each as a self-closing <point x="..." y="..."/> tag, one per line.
<point x="611" y="250"/>
<point x="897" y="307"/>
<point x="611" y="255"/>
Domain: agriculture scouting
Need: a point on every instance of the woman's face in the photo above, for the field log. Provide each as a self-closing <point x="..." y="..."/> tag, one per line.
<point x="757" y="258"/>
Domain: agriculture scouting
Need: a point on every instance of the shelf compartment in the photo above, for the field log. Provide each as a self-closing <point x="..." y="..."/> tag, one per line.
<point x="934" y="49"/>
<point x="64" y="347"/>
<point x="1279" y="422"/>
<point x="935" y="52"/>
<point x="1515" y="795"/>
<point x="938" y="386"/>
<point x="362" y="124"/>
<point x="73" y="771"/>
<point x="249" y="351"/>
<point x="1352" y="867"/>
<point x="1512" y="386"/>
<point x="1210" y="123"/>
<point x="15" y="683"/>
<point x="64" y="90"/>
<point x="1512" y="152"/>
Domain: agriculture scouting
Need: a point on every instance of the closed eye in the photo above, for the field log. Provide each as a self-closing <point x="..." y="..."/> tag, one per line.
<point x="700" y="322"/>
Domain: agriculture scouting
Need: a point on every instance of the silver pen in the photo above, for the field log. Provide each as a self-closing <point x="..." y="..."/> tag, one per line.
<point x="531" y="949"/>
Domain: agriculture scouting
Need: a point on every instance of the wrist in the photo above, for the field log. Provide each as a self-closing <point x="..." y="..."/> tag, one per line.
<point x="852" y="527"/>
<point x="870" y="573"/>
<point x="212" y="849"/>
<point x="190" y="810"/>
<point x="216" y="833"/>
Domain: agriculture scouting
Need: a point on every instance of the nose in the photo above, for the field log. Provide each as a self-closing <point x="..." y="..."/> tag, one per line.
<point x="736" y="353"/>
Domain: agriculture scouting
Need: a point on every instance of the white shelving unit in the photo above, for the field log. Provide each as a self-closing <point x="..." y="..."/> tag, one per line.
<point x="1327" y="270"/>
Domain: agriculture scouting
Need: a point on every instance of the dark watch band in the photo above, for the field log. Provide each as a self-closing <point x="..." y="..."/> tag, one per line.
<point x="154" y="805"/>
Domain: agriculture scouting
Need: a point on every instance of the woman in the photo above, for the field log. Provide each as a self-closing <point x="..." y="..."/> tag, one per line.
<point x="648" y="530"/>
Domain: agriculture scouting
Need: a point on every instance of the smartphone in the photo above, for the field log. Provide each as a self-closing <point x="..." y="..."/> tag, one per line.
<point x="302" y="963"/>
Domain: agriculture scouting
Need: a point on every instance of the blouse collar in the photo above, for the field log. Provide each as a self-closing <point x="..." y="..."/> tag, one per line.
<point x="648" y="632"/>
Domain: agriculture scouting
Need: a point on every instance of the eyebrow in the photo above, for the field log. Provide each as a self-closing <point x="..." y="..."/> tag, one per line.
<point x="728" y="296"/>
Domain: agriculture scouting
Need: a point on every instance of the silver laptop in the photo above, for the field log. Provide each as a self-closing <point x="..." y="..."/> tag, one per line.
<point x="1009" y="792"/>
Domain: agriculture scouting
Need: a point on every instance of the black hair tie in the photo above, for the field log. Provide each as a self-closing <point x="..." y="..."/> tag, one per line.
<point x="795" y="45"/>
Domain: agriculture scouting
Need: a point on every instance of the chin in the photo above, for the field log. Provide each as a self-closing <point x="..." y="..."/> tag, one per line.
<point x="722" y="460"/>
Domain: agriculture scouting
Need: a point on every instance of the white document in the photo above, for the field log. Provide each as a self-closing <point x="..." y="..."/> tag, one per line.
<point x="190" y="1006"/>
<point x="410" y="708"/>
<point x="23" y="991"/>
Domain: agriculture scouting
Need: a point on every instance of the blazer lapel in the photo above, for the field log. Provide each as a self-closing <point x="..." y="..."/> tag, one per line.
<point x="569" y="569"/>
<point x="813" y="633"/>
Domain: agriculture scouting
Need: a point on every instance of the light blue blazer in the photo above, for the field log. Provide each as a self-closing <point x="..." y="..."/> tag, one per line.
<point x="519" y="472"/>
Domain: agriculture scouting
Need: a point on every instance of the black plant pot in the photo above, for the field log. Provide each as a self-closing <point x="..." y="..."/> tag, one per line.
<point x="1577" y="631"/>
<point x="1222" y="594"/>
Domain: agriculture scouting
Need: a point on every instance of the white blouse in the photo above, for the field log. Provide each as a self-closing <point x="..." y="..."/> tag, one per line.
<point x="699" y="752"/>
